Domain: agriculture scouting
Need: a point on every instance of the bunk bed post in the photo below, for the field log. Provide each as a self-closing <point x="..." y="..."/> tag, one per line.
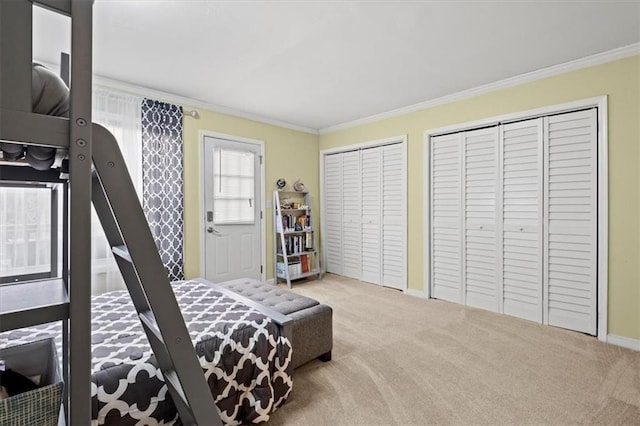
<point x="15" y="55"/>
<point x="65" y="279"/>
<point x="80" y="212"/>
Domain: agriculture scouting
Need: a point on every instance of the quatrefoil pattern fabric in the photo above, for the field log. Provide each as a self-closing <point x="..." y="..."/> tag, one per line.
<point x="244" y="356"/>
<point x="162" y="181"/>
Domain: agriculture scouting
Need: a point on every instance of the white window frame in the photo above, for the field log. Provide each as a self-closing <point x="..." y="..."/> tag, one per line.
<point x="599" y="102"/>
<point x="218" y="199"/>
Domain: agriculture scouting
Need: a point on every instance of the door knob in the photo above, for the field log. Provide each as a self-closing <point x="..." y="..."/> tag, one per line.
<point x="211" y="230"/>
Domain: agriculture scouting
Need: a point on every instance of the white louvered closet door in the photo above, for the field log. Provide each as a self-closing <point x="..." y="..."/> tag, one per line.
<point x="333" y="212"/>
<point x="522" y="219"/>
<point x="571" y="204"/>
<point x="371" y="201"/>
<point x="446" y="217"/>
<point x="351" y="215"/>
<point x="482" y="258"/>
<point x="393" y="244"/>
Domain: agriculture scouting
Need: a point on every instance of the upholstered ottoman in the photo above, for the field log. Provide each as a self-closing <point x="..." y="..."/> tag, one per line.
<point x="312" y="328"/>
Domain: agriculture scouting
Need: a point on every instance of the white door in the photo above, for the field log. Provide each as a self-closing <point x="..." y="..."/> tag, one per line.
<point x="393" y="205"/>
<point x="446" y="217"/>
<point x="522" y="219"/>
<point x="351" y="235"/>
<point x="371" y="200"/>
<point x="333" y="213"/>
<point x="481" y="255"/>
<point x="232" y="217"/>
<point x="570" y="285"/>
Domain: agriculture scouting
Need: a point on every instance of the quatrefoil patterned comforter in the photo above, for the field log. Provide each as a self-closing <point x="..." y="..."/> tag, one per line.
<point x="243" y="354"/>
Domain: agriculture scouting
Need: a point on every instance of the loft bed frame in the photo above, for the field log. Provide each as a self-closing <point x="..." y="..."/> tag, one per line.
<point x="66" y="299"/>
<point x="96" y="173"/>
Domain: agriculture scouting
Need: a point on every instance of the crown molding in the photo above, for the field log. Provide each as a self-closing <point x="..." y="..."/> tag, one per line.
<point x="195" y="103"/>
<point x="588" y="61"/>
<point x="142" y="91"/>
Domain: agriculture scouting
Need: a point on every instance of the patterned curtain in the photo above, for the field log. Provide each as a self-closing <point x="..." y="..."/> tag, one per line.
<point x="162" y="196"/>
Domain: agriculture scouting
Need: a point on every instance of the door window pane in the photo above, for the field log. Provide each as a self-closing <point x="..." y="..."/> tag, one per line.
<point x="233" y="186"/>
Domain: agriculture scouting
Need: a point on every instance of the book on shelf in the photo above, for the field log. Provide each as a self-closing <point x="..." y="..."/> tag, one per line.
<point x="294" y="268"/>
<point x="308" y="241"/>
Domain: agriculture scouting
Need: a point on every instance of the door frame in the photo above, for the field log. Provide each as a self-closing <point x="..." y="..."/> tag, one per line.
<point x="599" y="102"/>
<point x="202" y="134"/>
<point x="402" y="140"/>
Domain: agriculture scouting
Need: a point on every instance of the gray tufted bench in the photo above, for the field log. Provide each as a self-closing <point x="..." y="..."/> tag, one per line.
<point x="312" y="332"/>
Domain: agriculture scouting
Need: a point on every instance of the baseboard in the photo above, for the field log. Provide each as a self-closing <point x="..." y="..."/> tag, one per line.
<point x="416" y="293"/>
<point x="270" y="281"/>
<point x="625" y="342"/>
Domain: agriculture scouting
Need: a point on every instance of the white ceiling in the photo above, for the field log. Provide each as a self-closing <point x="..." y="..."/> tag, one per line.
<point x="318" y="64"/>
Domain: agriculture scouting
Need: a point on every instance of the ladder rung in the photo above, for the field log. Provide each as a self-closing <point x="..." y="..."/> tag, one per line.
<point x="151" y="326"/>
<point x="122" y="251"/>
<point x="178" y="397"/>
<point x="171" y="379"/>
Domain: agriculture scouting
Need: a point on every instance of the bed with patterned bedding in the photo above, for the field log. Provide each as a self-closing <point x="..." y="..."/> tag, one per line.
<point x="245" y="357"/>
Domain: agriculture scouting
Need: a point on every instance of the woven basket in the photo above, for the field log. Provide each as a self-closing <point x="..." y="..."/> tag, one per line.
<point x="40" y="406"/>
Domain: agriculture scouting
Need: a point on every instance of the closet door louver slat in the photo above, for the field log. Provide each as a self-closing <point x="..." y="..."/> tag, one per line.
<point x="393" y="247"/>
<point x="351" y="214"/>
<point x="571" y="221"/>
<point x="333" y="213"/>
<point x="371" y="182"/>
<point x="481" y="182"/>
<point x="446" y="217"/>
<point x="522" y="219"/>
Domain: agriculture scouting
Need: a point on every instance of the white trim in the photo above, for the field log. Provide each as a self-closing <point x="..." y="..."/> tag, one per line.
<point x="603" y="183"/>
<point x="589" y="61"/>
<point x="181" y="100"/>
<point x="322" y="254"/>
<point x="520" y="115"/>
<point x="405" y="204"/>
<point x="201" y="138"/>
<point x="271" y="281"/>
<point x="426" y="214"/>
<point x="416" y="293"/>
<point x="603" y="218"/>
<point x="401" y="139"/>
<point x="625" y="342"/>
<point x="363" y="145"/>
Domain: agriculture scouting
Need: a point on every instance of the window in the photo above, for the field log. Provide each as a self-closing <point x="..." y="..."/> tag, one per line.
<point x="29" y="244"/>
<point x="27" y="212"/>
<point x="233" y="182"/>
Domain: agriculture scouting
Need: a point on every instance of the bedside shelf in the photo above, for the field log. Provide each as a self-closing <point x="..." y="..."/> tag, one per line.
<point x="33" y="302"/>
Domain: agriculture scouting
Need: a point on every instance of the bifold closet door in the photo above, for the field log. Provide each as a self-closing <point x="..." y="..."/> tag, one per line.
<point x="571" y="228"/>
<point x="351" y="215"/>
<point x="481" y="255"/>
<point x="393" y="189"/>
<point x="333" y="213"/>
<point x="522" y="193"/>
<point x="446" y="217"/>
<point x="371" y="200"/>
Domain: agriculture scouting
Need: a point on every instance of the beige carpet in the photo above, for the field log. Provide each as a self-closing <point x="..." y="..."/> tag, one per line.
<point x="402" y="360"/>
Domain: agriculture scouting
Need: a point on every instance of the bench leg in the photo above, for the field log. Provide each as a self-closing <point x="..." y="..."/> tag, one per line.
<point x="326" y="357"/>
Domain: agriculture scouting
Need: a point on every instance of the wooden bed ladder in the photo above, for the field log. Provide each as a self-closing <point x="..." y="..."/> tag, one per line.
<point x="118" y="207"/>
